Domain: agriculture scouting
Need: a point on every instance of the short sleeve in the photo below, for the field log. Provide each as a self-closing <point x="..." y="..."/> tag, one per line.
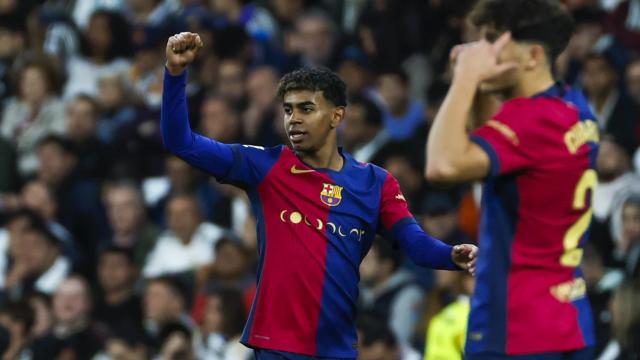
<point x="507" y="138"/>
<point x="393" y="205"/>
<point x="251" y="164"/>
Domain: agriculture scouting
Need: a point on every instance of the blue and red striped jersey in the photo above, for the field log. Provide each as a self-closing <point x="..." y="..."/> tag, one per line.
<point x="530" y="296"/>
<point x="314" y="228"/>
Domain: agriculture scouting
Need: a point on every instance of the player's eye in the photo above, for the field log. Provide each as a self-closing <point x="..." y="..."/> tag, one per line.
<point x="288" y="110"/>
<point x="307" y="109"/>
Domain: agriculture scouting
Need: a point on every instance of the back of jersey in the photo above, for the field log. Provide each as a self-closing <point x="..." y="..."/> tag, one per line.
<point x="530" y="296"/>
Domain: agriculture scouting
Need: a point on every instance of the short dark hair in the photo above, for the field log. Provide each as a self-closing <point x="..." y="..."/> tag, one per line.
<point x="315" y="79"/>
<point x="113" y="249"/>
<point x="63" y="143"/>
<point x="373" y="115"/>
<point x="543" y="21"/>
<point x="19" y="311"/>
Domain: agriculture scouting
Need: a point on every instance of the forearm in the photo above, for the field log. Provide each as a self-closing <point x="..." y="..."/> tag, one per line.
<point x="448" y="138"/>
<point x="206" y="154"/>
<point x="485" y="106"/>
<point x="423" y="249"/>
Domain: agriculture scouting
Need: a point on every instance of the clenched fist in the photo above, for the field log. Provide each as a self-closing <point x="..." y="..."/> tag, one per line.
<point x="181" y="50"/>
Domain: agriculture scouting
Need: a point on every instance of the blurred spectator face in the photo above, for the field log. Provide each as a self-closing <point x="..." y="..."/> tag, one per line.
<point x="71" y="302"/>
<point x="181" y="175"/>
<point x="598" y="78"/>
<point x="124" y="209"/>
<point x="37" y="253"/>
<point x="34" y="87"/>
<point x="160" y="303"/>
<point x="222" y="6"/>
<point x="219" y="122"/>
<point x="115" y="272"/>
<point x="111" y="92"/>
<point x="230" y="261"/>
<point x="213" y="321"/>
<point x="262" y="85"/>
<point x="612" y="160"/>
<point x="231" y="80"/>
<point x="315" y="39"/>
<point x="12" y="43"/>
<point x="394" y="92"/>
<point x="631" y="222"/>
<point x="409" y="178"/>
<point x="592" y="267"/>
<point x="98" y="34"/>
<point x="54" y="163"/>
<point x="138" y="5"/>
<point x="355" y="76"/>
<point x="440" y="225"/>
<point x="355" y="129"/>
<point x="183" y="217"/>
<point x="37" y="197"/>
<point x="633" y="80"/>
<point x="287" y="10"/>
<point x="81" y="119"/>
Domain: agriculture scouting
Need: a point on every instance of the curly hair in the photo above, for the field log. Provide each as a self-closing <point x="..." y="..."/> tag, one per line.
<point x="542" y="21"/>
<point x="315" y="79"/>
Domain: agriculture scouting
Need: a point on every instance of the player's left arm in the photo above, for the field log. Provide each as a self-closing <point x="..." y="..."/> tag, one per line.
<point x="421" y="248"/>
<point x="451" y="155"/>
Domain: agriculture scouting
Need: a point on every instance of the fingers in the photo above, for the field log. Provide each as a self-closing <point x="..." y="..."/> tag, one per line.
<point x="184" y="41"/>
<point x="501" y="42"/>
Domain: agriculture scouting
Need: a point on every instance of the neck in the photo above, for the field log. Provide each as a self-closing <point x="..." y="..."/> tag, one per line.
<point x="117" y="296"/>
<point x="532" y="83"/>
<point x="328" y="157"/>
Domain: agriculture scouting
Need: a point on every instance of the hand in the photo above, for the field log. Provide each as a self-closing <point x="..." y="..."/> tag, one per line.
<point x="465" y="257"/>
<point x="181" y="50"/>
<point x="479" y="60"/>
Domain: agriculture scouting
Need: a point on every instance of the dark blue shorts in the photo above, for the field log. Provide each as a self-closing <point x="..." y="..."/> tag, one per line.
<point x="262" y="354"/>
<point x="583" y="354"/>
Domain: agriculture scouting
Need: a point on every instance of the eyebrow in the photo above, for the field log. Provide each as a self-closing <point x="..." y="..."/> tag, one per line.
<point x="300" y="104"/>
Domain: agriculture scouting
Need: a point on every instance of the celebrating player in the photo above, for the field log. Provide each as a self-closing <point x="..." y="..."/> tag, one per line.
<point x="318" y="211"/>
<point x="537" y="155"/>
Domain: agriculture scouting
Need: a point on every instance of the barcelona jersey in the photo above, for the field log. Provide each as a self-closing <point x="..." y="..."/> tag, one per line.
<point x="530" y="295"/>
<point x="314" y="228"/>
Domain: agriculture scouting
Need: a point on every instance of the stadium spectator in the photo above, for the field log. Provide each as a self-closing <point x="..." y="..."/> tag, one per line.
<point x="219" y="334"/>
<point x="220" y="120"/>
<point x="362" y="132"/>
<point x="402" y="116"/>
<point x="83" y="113"/>
<point x="35" y="111"/>
<point x="116" y="104"/>
<point x="117" y="306"/>
<point x="187" y="244"/>
<point x="258" y="119"/>
<point x="388" y="292"/>
<point x="104" y="46"/>
<point x="376" y="342"/>
<point x="164" y="302"/>
<point x="625" y="324"/>
<point x="38" y="264"/>
<point x="73" y="334"/>
<point x="130" y="228"/>
<point x="625" y="226"/>
<point x="315" y="39"/>
<point x="231" y="82"/>
<point x="256" y="21"/>
<point x="439" y="215"/>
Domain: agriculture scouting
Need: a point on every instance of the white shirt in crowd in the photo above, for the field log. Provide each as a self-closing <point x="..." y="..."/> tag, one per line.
<point x="170" y="255"/>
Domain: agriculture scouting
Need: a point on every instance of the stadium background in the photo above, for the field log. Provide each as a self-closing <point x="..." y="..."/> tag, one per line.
<point x="111" y="248"/>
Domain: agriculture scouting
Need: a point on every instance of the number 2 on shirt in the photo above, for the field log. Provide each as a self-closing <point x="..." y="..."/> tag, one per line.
<point x="572" y="254"/>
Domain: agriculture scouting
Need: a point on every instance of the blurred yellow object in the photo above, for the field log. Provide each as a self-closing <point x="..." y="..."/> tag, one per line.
<point x="447" y="331"/>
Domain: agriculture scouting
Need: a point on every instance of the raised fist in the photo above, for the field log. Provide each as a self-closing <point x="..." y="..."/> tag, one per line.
<point x="181" y="50"/>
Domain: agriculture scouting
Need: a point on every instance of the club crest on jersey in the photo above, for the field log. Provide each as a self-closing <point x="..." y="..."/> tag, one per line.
<point x="331" y="194"/>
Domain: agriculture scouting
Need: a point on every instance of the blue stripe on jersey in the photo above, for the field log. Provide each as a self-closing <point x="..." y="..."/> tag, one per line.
<point x="500" y="199"/>
<point x="493" y="157"/>
<point x="256" y="205"/>
<point x="585" y="318"/>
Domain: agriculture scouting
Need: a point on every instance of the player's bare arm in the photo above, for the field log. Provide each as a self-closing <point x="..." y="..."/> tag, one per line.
<point x="452" y="157"/>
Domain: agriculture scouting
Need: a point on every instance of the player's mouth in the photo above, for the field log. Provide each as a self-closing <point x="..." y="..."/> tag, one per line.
<point x="297" y="136"/>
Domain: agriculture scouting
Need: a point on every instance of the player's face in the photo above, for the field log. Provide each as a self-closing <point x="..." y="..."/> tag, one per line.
<point x="310" y="120"/>
<point x="511" y="52"/>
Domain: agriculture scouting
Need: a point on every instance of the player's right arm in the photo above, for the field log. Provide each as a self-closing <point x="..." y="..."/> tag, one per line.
<point x="207" y="154"/>
<point x="239" y="164"/>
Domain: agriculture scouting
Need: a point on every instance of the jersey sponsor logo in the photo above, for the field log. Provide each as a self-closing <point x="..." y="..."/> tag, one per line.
<point x="331" y="194"/>
<point x="569" y="291"/>
<point x="297" y="218"/>
<point x="295" y="170"/>
<point x="580" y="134"/>
<point x="505" y="130"/>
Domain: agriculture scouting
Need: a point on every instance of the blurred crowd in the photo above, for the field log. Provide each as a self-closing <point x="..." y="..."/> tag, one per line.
<point x="110" y="248"/>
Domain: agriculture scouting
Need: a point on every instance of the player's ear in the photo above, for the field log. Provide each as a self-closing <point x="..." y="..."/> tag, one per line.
<point x="338" y="115"/>
<point x="536" y="56"/>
